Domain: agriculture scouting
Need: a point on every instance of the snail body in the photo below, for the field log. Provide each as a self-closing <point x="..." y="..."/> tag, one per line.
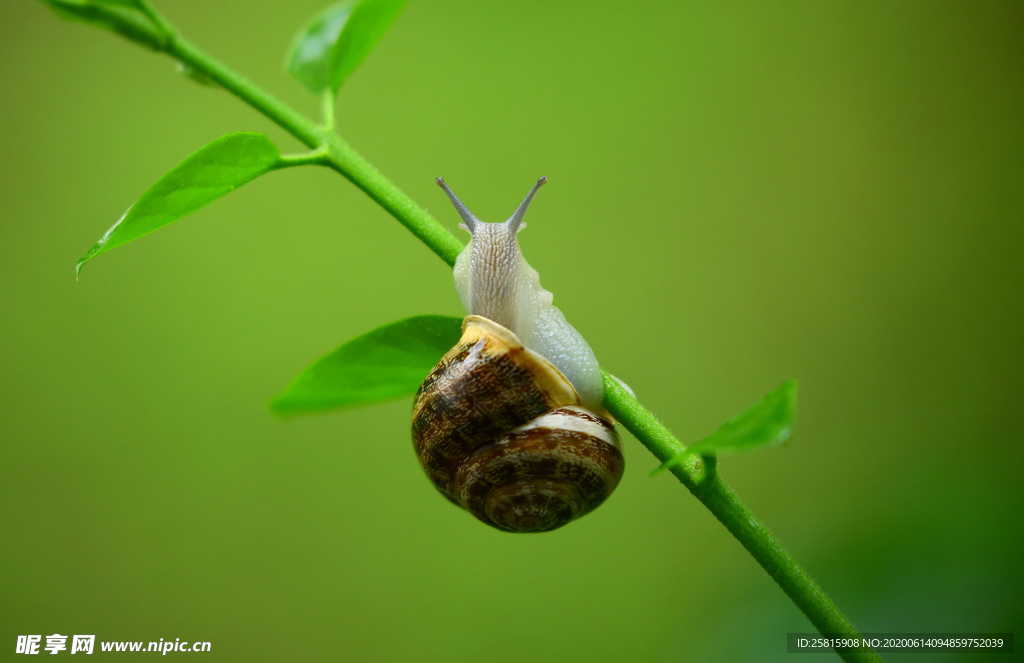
<point x="509" y="424"/>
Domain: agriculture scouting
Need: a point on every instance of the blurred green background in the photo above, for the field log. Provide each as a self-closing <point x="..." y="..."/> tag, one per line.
<point x="828" y="191"/>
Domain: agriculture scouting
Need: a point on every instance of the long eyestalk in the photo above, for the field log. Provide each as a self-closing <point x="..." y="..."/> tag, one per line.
<point x="467" y="217"/>
<point x="517" y="217"/>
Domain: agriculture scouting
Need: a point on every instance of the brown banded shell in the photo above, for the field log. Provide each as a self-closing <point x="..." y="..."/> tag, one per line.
<point x="500" y="432"/>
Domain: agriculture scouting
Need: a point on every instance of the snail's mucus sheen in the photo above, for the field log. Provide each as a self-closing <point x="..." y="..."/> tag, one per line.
<point x="501" y="432"/>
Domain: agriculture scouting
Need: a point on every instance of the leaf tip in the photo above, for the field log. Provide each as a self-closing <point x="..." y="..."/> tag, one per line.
<point x="80" y="263"/>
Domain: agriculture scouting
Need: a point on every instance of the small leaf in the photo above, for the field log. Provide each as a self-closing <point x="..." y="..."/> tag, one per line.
<point x="217" y="169"/>
<point x="338" y="40"/>
<point x="768" y="422"/>
<point x="118" y="16"/>
<point x="386" y="363"/>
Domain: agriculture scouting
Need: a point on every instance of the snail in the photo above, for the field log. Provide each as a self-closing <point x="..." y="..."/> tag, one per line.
<point x="509" y="424"/>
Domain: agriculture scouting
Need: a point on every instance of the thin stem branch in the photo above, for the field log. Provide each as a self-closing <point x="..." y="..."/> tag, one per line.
<point x="697" y="473"/>
<point x="317" y="157"/>
<point x="327" y="107"/>
<point x="159" y="22"/>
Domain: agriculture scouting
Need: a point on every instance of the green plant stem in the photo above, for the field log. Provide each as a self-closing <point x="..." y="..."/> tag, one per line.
<point x="765" y="548"/>
<point x="317" y="157"/>
<point x="277" y="111"/>
<point x="698" y="474"/>
<point x="327" y="108"/>
<point x="159" y="22"/>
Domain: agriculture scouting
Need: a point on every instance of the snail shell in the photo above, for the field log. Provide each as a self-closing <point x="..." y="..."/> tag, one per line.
<point x="509" y="430"/>
<point x="501" y="432"/>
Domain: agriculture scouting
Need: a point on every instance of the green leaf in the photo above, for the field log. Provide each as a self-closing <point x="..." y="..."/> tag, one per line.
<point x="219" y="168"/>
<point x="337" y="40"/>
<point x="387" y="363"/>
<point x="118" y="16"/>
<point x="767" y="423"/>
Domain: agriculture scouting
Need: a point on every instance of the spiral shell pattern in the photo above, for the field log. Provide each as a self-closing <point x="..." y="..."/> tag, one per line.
<point x="501" y="433"/>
